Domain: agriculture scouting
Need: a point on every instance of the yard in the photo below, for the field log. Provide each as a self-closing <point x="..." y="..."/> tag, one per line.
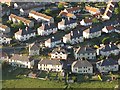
<point x="16" y="79"/>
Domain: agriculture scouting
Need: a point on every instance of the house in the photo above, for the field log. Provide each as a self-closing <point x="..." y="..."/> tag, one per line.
<point x="3" y="56"/>
<point x="52" y="42"/>
<point x="108" y="29"/>
<point x="75" y="36"/>
<point x="4" y="28"/>
<point x="86" y="22"/>
<point x="47" y="29"/>
<point x="85" y="52"/>
<point x="109" y="10"/>
<point x="82" y="67"/>
<point x="41" y="17"/>
<point x="26" y="7"/>
<point x="17" y="19"/>
<point x="72" y="10"/>
<point x="92" y="10"/>
<point x="21" y="61"/>
<point x="25" y="34"/>
<point x="59" y="53"/>
<point x="107" y="65"/>
<point x="92" y="32"/>
<point x="4" y="38"/>
<point x="50" y="65"/>
<point x="117" y="29"/>
<point x="67" y="15"/>
<point x="109" y="49"/>
<point x="34" y="49"/>
<point x="67" y="23"/>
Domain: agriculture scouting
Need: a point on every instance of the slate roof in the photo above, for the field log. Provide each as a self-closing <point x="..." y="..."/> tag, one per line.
<point x="46" y="26"/>
<point x="34" y="47"/>
<point x="21" y="57"/>
<point x="85" y="49"/>
<point x="109" y="47"/>
<point x="3" y="54"/>
<point x="51" y="62"/>
<point x="25" y="31"/>
<point x="4" y="35"/>
<point x="93" y="29"/>
<point x="108" y="62"/>
<point x="82" y="63"/>
<point x="67" y="21"/>
<point x="54" y="38"/>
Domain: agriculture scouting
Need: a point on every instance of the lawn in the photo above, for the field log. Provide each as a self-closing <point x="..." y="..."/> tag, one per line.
<point x="16" y="79"/>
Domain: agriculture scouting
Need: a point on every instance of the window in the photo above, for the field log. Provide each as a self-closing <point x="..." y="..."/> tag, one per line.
<point x="75" y="69"/>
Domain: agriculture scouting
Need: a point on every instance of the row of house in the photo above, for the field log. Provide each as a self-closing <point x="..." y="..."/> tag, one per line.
<point x="80" y="66"/>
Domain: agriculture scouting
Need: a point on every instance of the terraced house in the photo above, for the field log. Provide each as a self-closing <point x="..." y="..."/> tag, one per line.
<point x="41" y="17"/>
<point x="17" y="19"/>
<point x="47" y="29"/>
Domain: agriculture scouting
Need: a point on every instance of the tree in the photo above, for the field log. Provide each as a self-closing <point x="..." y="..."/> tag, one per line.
<point x="21" y="24"/>
<point x="60" y="6"/>
<point x="48" y="11"/>
<point x="106" y="40"/>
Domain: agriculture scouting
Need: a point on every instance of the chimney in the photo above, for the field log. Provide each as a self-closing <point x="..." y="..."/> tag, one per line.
<point x="26" y="28"/>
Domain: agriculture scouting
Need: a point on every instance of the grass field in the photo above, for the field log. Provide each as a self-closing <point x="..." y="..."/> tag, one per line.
<point x="13" y="80"/>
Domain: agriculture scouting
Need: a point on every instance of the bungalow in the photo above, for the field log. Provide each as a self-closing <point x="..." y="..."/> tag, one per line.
<point x="3" y="56"/>
<point x="34" y="49"/>
<point x="72" y="10"/>
<point x="47" y="29"/>
<point x="109" y="10"/>
<point x="67" y="15"/>
<point x="21" y="61"/>
<point x="109" y="49"/>
<point x="86" y="22"/>
<point x="52" y="42"/>
<point x="85" y="52"/>
<point x="67" y="23"/>
<point x="17" y="19"/>
<point x="59" y="54"/>
<point x="4" y="38"/>
<point x="25" y="34"/>
<point x="50" y="65"/>
<point x="82" y="67"/>
<point x="4" y="28"/>
<point x="107" y="65"/>
<point x="92" y="10"/>
<point x="40" y="16"/>
<point x="75" y="36"/>
<point x="92" y="32"/>
<point x="108" y="29"/>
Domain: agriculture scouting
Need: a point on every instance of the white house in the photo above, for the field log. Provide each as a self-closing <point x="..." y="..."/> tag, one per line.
<point x="108" y="29"/>
<point x="92" y="32"/>
<point x="109" y="49"/>
<point x="25" y="34"/>
<point x="21" y="61"/>
<point x="85" y="52"/>
<point x="92" y="10"/>
<point x="4" y="38"/>
<point x="34" y="49"/>
<point x="86" y="22"/>
<point x="75" y="36"/>
<point x="107" y="65"/>
<point x="52" y="42"/>
<point x="109" y="10"/>
<point x="82" y="67"/>
<point x="59" y="54"/>
<point x="17" y="19"/>
<point x="40" y="16"/>
<point x="47" y="29"/>
<point x="4" y="28"/>
<point x="50" y="65"/>
<point x="67" y="23"/>
<point x="72" y="10"/>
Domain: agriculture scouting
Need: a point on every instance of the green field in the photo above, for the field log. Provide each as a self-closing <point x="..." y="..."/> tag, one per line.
<point x="16" y="79"/>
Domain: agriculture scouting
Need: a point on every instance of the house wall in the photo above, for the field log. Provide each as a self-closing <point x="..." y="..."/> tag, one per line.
<point x="47" y="67"/>
<point x="33" y="52"/>
<point x="82" y="70"/>
<point x="5" y="40"/>
<point x="59" y="56"/>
